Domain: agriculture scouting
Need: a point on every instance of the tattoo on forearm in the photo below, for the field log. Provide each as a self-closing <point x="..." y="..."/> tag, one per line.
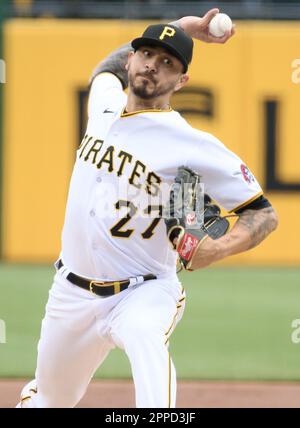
<point x="259" y="224"/>
<point x="115" y="63"/>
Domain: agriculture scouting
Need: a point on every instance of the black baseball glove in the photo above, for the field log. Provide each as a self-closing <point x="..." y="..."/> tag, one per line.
<point x="190" y="216"/>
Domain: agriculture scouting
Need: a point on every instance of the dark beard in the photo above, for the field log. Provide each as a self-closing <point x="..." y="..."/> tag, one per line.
<point x="143" y="92"/>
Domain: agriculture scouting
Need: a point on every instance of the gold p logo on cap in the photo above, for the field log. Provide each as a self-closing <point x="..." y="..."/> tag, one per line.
<point x="167" y="31"/>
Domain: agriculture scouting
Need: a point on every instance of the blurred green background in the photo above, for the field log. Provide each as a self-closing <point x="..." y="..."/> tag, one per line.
<point x="237" y="324"/>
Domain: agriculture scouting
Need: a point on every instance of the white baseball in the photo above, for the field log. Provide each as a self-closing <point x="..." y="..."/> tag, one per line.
<point x="219" y="24"/>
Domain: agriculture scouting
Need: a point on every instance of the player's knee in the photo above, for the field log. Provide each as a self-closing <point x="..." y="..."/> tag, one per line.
<point x="136" y="332"/>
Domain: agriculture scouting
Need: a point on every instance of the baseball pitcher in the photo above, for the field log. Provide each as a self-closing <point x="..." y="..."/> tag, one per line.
<point x="141" y="199"/>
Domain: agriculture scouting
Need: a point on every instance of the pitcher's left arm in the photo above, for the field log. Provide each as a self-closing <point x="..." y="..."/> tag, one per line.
<point x="252" y="227"/>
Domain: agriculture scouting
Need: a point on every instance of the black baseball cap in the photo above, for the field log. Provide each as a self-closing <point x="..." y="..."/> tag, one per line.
<point x="170" y="37"/>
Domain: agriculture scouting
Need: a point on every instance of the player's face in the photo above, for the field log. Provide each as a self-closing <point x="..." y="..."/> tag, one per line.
<point x="153" y="72"/>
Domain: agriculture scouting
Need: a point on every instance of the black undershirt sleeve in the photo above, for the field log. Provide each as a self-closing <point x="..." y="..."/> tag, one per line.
<point x="258" y="204"/>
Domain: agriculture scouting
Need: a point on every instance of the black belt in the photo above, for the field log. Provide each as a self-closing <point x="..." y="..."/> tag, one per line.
<point x="102" y="288"/>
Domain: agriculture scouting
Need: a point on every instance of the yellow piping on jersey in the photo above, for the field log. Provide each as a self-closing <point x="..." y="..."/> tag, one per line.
<point x="247" y="202"/>
<point x="151" y="110"/>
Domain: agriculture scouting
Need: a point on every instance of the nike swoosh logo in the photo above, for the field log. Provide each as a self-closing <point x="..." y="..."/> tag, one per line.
<point x="108" y="111"/>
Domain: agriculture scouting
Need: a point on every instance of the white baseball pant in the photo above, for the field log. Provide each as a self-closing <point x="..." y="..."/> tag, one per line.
<point x="80" y="329"/>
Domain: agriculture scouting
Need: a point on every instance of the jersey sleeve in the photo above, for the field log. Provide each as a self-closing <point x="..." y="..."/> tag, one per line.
<point x="224" y="175"/>
<point x="106" y="93"/>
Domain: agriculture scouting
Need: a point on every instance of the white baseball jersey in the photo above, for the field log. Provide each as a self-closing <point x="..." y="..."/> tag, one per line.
<point x="112" y="227"/>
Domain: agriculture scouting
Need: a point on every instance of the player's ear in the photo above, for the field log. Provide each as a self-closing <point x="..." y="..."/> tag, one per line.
<point x="181" y="82"/>
<point x="130" y="55"/>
